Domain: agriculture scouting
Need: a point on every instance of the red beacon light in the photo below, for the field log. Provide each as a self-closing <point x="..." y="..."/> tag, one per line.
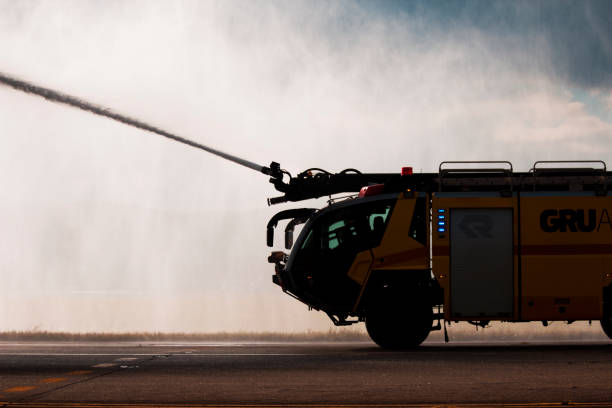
<point x="406" y="171"/>
<point x="371" y="190"/>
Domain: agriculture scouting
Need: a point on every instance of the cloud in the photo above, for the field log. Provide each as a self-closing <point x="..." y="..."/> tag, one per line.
<point x="580" y="35"/>
<point x="549" y="122"/>
<point x="608" y="101"/>
<point x="577" y="35"/>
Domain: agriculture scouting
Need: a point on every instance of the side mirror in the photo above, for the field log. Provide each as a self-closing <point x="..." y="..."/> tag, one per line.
<point x="270" y="236"/>
<point x="288" y="238"/>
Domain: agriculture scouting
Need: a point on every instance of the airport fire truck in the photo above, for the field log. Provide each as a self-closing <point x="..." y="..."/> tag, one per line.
<point x="473" y="242"/>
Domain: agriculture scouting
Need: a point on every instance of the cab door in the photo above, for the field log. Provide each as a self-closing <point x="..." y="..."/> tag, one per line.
<point x="336" y="240"/>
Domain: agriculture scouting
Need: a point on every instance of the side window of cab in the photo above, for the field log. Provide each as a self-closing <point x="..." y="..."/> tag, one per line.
<point x="355" y="228"/>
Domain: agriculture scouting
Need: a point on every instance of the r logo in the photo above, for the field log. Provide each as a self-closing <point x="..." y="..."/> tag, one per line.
<point x="476" y="225"/>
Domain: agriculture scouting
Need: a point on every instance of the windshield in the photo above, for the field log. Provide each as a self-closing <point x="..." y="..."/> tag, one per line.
<point x="356" y="227"/>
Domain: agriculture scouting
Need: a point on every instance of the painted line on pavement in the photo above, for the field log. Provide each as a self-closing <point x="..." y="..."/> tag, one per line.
<point x="23" y="388"/>
<point x="53" y="380"/>
<point x="79" y="372"/>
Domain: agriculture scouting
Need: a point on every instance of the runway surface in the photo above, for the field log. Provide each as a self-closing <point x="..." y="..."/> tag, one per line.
<point x="304" y="374"/>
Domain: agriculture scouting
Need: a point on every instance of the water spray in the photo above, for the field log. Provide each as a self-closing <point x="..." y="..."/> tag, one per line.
<point x="60" y="97"/>
<point x="312" y="183"/>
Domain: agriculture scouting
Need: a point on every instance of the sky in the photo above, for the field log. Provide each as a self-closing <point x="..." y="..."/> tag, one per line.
<point x="109" y="228"/>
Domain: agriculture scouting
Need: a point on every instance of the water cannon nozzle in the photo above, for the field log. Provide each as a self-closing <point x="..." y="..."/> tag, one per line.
<point x="275" y="170"/>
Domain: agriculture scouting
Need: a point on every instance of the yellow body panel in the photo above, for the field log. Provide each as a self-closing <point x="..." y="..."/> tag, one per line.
<point x="564" y="271"/>
<point x="558" y="275"/>
<point x="360" y="269"/>
<point x="397" y="249"/>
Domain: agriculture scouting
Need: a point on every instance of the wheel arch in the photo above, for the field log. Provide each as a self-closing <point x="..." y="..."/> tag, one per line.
<point x="413" y="282"/>
<point x="607" y="297"/>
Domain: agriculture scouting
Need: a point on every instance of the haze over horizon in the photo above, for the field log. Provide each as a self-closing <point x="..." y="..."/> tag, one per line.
<point x="109" y="228"/>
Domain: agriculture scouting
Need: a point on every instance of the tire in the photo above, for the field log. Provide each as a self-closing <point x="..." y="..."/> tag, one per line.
<point x="395" y="323"/>
<point x="606" y="321"/>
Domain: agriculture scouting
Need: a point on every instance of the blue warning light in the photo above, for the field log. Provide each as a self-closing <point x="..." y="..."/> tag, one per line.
<point x="441" y="223"/>
<point x="441" y="210"/>
<point x="441" y="229"/>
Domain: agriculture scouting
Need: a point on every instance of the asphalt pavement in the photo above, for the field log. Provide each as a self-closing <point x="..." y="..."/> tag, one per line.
<point x="304" y="374"/>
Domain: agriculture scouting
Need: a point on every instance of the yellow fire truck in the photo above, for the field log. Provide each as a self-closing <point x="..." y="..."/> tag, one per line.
<point x="474" y="242"/>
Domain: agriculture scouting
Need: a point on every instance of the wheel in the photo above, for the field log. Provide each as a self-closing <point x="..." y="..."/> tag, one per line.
<point x="606" y="321"/>
<point x="396" y="323"/>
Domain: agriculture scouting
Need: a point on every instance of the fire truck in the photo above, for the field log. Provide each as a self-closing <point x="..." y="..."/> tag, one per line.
<point x="474" y="242"/>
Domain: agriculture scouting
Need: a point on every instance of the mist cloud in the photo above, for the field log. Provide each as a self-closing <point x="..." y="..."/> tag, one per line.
<point x="93" y="209"/>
